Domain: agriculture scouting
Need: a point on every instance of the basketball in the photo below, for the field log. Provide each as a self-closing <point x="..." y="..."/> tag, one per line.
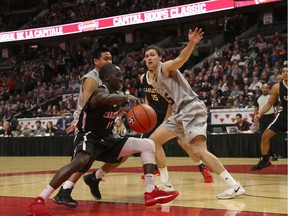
<point x="141" y="118"/>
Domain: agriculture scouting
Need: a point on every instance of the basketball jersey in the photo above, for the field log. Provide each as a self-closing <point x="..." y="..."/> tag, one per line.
<point x="91" y="74"/>
<point x="155" y="100"/>
<point x="168" y="87"/>
<point x="100" y="121"/>
<point x="283" y="96"/>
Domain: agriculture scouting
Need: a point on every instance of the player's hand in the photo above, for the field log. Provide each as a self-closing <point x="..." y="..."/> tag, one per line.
<point x="132" y="99"/>
<point x="71" y="126"/>
<point x="196" y="35"/>
<point x="256" y="118"/>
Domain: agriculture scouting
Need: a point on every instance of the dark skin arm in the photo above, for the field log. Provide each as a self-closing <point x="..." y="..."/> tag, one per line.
<point x="102" y="97"/>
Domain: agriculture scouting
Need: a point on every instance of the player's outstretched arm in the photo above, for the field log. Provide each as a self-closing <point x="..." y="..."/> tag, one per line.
<point x="102" y="97"/>
<point x="194" y="37"/>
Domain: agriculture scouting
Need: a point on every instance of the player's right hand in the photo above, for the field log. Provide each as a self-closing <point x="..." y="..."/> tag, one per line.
<point x="256" y="118"/>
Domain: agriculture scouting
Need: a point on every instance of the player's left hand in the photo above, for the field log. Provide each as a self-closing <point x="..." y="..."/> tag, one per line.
<point x="196" y="35"/>
<point x="132" y="99"/>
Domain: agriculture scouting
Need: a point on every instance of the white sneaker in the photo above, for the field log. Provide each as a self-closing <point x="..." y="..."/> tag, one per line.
<point x="231" y="192"/>
<point x="166" y="186"/>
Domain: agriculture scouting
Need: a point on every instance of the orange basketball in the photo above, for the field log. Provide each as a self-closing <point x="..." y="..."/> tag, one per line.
<point x="141" y="118"/>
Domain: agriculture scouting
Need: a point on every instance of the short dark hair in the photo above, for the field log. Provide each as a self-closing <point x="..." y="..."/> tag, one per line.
<point x="38" y="121"/>
<point x="239" y="115"/>
<point x="106" y="70"/>
<point x="98" y="52"/>
<point x="158" y="49"/>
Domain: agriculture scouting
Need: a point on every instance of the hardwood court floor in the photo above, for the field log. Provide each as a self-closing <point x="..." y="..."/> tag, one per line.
<point x="23" y="178"/>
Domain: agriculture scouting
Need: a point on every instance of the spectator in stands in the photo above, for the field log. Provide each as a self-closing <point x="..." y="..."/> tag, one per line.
<point x="242" y="124"/>
<point x="227" y="29"/>
<point x="217" y="54"/>
<point x="13" y="121"/>
<point x="227" y="92"/>
<point x="119" y="128"/>
<point x="62" y="122"/>
<point x="25" y="130"/>
<point x="235" y="56"/>
<point x="50" y="130"/>
<point x="39" y="130"/>
<point x="6" y="130"/>
<point x="235" y="92"/>
<point x="256" y="82"/>
<point x="274" y="77"/>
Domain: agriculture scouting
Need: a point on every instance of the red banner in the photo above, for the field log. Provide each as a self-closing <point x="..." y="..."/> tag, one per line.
<point x="244" y="3"/>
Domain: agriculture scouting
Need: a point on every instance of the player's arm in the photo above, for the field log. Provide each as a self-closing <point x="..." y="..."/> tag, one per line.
<point x="271" y="101"/>
<point x="88" y="87"/>
<point x="102" y="97"/>
<point x="170" y="67"/>
<point x="256" y="110"/>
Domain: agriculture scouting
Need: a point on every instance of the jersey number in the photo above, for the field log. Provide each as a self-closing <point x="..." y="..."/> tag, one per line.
<point x="109" y="125"/>
<point x="169" y="99"/>
<point x="155" y="97"/>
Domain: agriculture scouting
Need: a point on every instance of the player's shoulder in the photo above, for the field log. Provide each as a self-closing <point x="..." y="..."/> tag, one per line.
<point x="142" y="77"/>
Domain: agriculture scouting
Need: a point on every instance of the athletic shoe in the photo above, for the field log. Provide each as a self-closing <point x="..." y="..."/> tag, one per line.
<point x="156" y="173"/>
<point x="262" y="164"/>
<point x="206" y="173"/>
<point x="274" y="157"/>
<point x="231" y="192"/>
<point x="64" y="197"/>
<point x="166" y="186"/>
<point x="93" y="184"/>
<point x="159" y="196"/>
<point x="37" y="208"/>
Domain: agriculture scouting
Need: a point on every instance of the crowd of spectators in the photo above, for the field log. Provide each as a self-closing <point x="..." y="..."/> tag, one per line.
<point x="232" y="76"/>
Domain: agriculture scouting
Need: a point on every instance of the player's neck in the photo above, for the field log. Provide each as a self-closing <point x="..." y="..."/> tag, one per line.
<point x="285" y="82"/>
<point x="151" y="75"/>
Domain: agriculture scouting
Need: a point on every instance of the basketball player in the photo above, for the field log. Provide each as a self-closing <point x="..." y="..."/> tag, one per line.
<point x="269" y="116"/>
<point x="160" y="105"/>
<point x="95" y="141"/>
<point x="279" y="124"/>
<point x="189" y="118"/>
<point x="89" y="83"/>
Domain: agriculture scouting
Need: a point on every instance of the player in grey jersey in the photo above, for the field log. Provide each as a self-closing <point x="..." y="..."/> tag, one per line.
<point x="189" y="118"/>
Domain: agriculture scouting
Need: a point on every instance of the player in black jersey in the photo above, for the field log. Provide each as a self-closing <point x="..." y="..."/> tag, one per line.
<point x="160" y="105"/>
<point x="95" y="141"/>
<point x="279" y="125"/>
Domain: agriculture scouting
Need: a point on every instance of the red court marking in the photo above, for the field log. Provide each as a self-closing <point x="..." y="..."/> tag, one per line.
<point x="274" y="169"/>
<point x="15" y="206"/>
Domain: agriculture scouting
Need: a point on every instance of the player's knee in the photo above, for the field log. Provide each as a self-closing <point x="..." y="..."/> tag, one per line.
<point x="148" y="152"/>
<point x="149" y="145"/>
<point x="197" y="150"/>
<point x="79" y="161"/>
<point x="123" y="159"/>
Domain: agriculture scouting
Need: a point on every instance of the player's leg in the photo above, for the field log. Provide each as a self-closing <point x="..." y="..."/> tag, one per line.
<point x="265" y="147"/>
<point x="197" y="147"/>
<point x="64" y="194"/>
<point x="37" y="207"/>
<point x="146" y="148"/>
<point x="161" y="136"/>
<point x="202" y="167"/>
